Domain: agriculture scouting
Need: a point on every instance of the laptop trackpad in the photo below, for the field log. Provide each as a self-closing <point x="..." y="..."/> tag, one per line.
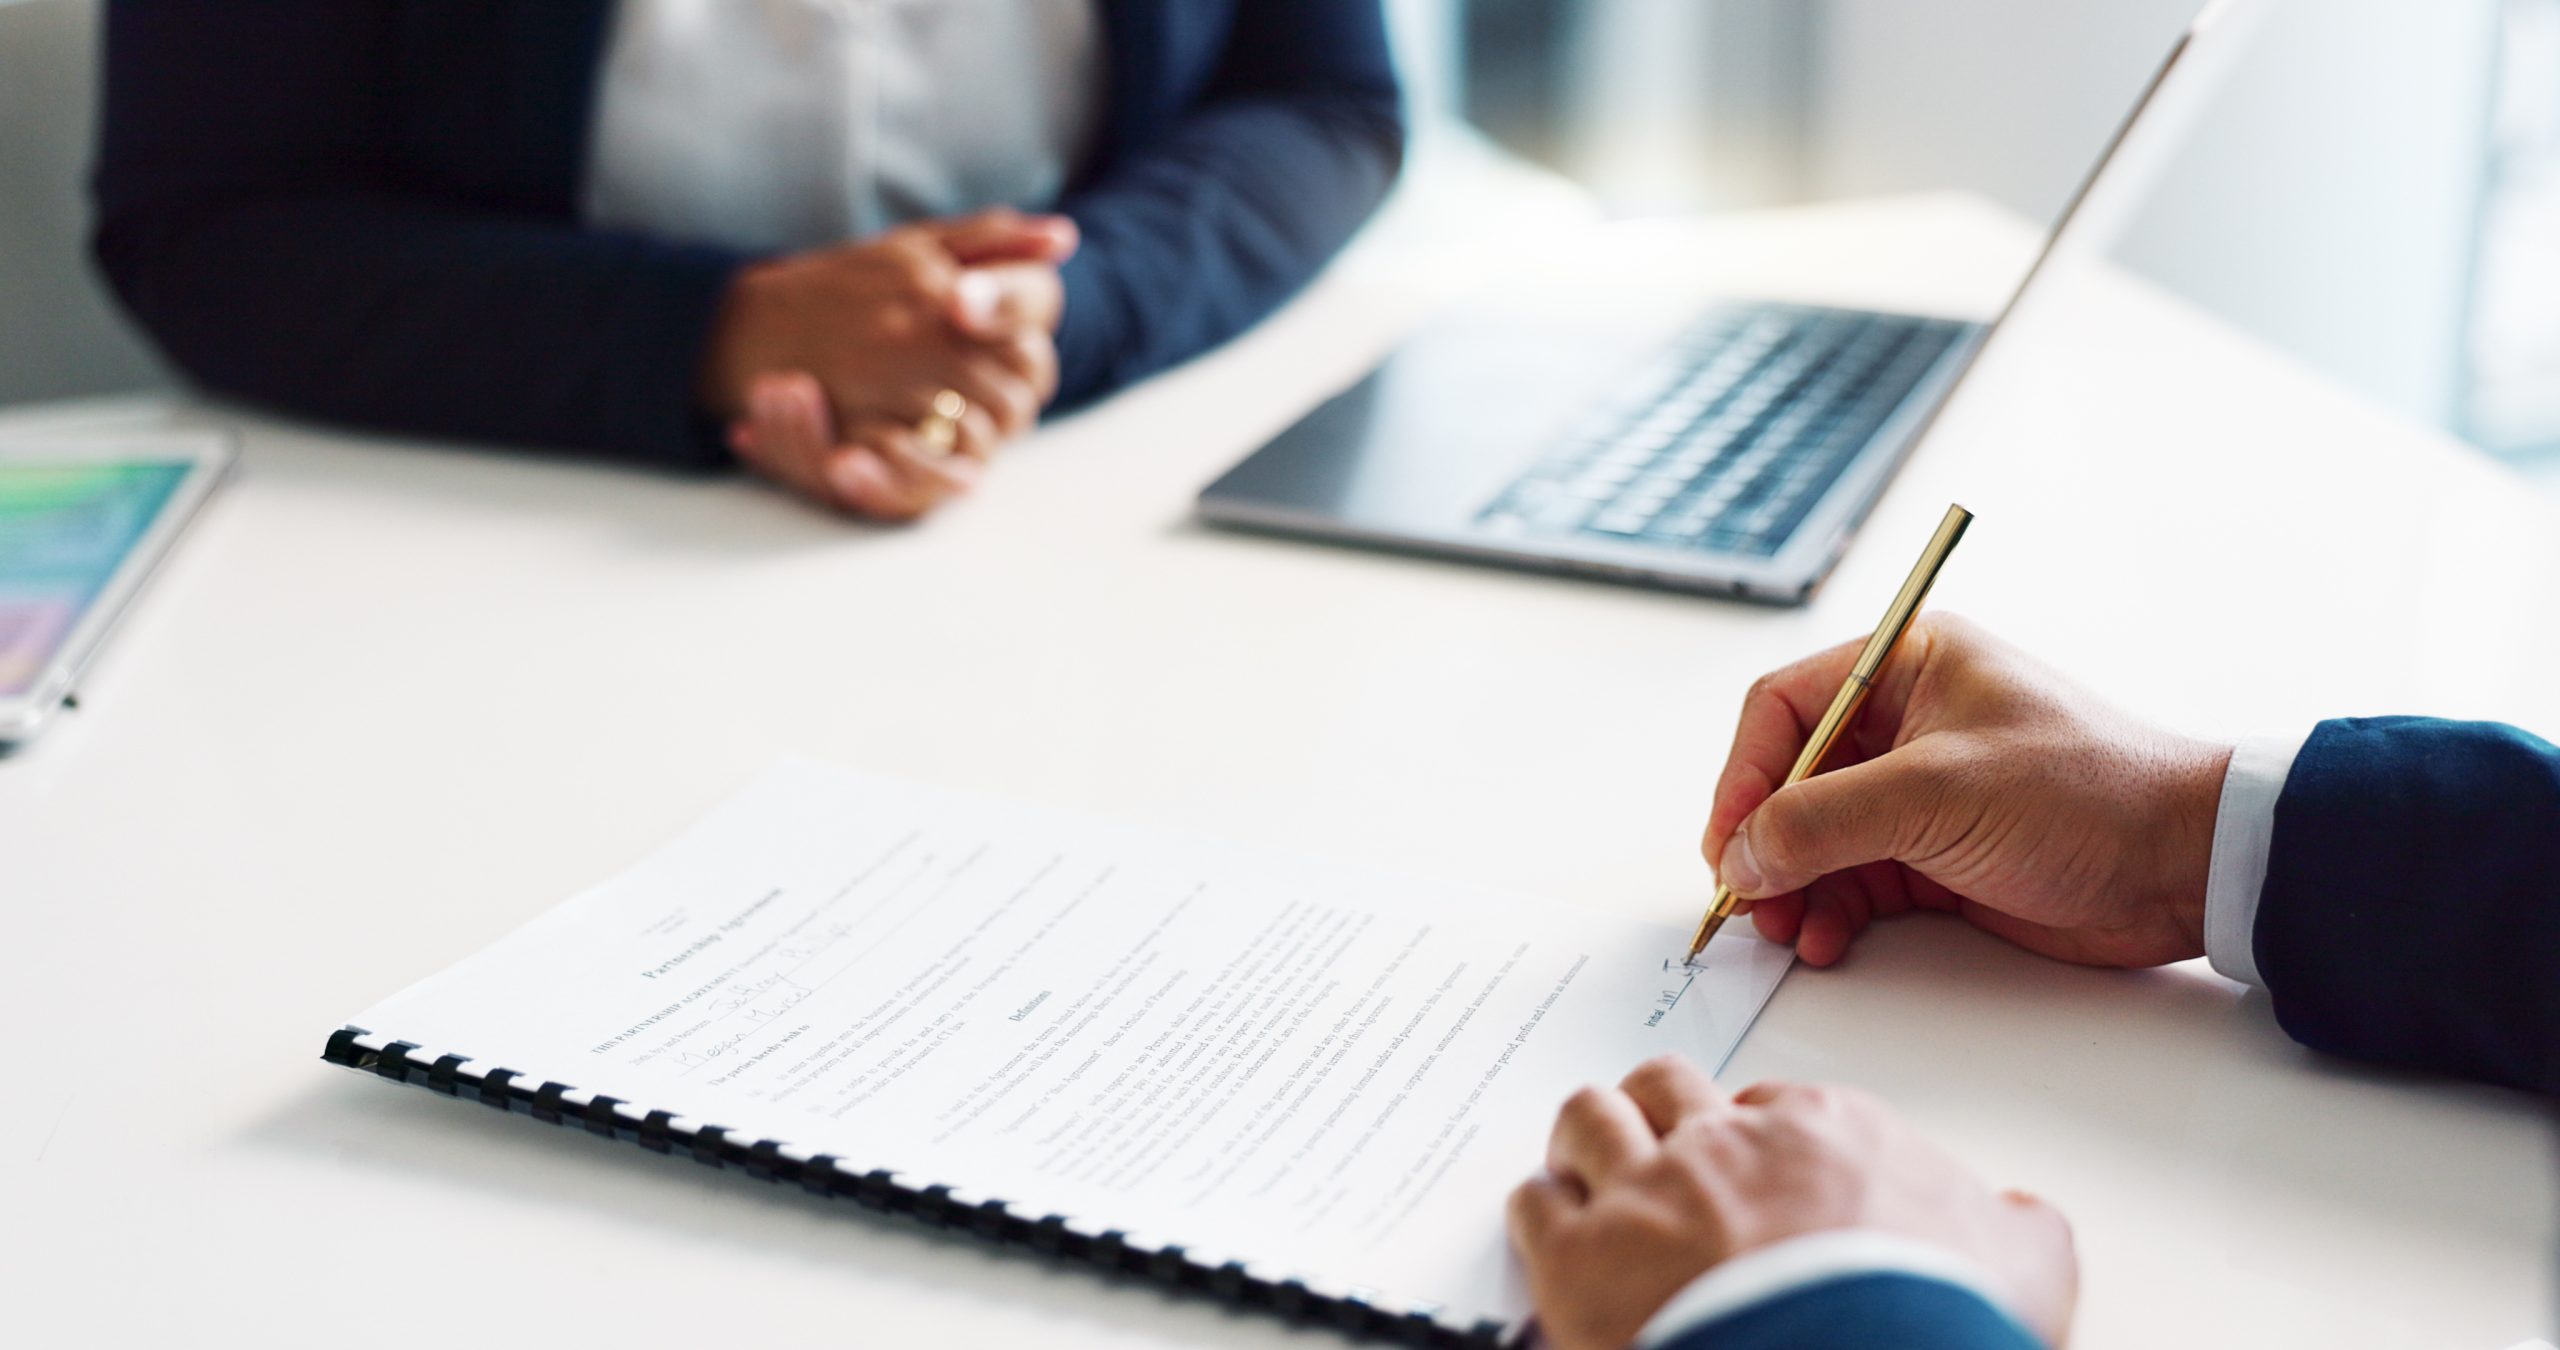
<point x="1437" y="432"/>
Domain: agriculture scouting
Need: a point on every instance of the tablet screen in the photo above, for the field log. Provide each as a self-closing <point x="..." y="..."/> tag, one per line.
<point x="64" y="530"/>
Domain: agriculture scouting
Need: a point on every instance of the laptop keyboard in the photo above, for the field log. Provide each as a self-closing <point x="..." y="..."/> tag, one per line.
<point x="1728" y="443"/>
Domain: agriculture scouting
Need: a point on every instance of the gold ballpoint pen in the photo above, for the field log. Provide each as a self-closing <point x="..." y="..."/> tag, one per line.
<point x="1853" y="691"/>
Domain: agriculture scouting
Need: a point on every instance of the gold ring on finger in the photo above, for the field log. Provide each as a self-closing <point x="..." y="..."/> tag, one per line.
<point x="939" y="432"/>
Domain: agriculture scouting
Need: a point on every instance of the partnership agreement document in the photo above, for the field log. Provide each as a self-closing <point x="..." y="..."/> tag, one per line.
<point x="1320" y="1071"/>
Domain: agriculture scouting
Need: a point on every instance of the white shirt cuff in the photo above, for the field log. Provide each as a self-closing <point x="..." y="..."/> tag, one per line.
<point x="1783" y="1268"/>
<point x="2244" y="833"/>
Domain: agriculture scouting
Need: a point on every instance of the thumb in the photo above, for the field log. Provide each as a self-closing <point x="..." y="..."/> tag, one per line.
<point x="1825" y="824"/>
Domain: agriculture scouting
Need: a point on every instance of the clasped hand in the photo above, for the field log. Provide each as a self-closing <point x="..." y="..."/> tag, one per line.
<point x="825" y="363"/>
<point x="1653" y="1182"/>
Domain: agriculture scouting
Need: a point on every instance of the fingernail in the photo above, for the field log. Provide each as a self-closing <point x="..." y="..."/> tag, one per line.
<point x="978" y="295"/>
<point x="1741" y="871"/>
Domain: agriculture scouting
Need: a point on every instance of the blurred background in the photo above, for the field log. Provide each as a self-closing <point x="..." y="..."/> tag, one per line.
<point x="2377" y="192"/>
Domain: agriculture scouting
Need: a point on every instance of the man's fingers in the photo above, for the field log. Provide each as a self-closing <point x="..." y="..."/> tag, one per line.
<point x="1836" y="910"/>
<point x="1670" y="1090"/>
<point x="1777" y="714"/>
<point x="1004" y="235"/>
<point x="1869" y="812"/>
<point x="1599" y="1132"/>
<point x="1780" y="712"/>
<point x="1538" y="1208"/>
<point x="1779" y="918"/>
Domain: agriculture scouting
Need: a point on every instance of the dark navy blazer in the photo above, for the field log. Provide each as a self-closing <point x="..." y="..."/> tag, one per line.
<point x="368" y="209"/>
<point x="1863" y="1312"/>
<point x="2411" y="917"/>
<point x="2411" y="914"/>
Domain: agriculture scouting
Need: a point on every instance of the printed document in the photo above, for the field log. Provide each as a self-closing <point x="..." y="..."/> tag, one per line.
<point x="1322" y="1071"/>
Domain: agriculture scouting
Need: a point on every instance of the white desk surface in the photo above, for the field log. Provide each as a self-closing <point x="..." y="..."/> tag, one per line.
<point x="390" y="701"/>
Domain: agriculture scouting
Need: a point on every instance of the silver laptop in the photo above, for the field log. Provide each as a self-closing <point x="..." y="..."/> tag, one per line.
<point x="1737" y="461"/>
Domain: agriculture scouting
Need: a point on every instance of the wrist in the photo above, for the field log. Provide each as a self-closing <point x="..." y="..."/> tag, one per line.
<point x="730" y="360"/>
<point x="1806" y="1260"/>
<point x="2186" y="863"/>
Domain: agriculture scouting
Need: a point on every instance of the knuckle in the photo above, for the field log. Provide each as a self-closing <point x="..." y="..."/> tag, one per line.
<point x="1704" y="1139"/>
<point x="1809" y="1098"/>
<point x="1583" y="1105"/>
<point x="1779" y="1094"/>
<point x="1660" y="1071"/>
<point x="909" y="262"/>
<point x="896" y="320"/>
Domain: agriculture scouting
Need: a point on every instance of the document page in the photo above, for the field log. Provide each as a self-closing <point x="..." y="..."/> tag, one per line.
<point x="1328" y="1073"/>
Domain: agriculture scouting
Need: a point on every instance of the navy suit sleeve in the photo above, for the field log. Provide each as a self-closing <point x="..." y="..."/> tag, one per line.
<point x="2411" y="913"/>
<point x="260" y="215"/>
<point x="1197" y="232"/>
<point x="1861" y="1312"/>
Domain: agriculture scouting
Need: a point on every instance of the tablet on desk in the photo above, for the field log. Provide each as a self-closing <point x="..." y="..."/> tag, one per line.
<point x="83" y="521"/>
